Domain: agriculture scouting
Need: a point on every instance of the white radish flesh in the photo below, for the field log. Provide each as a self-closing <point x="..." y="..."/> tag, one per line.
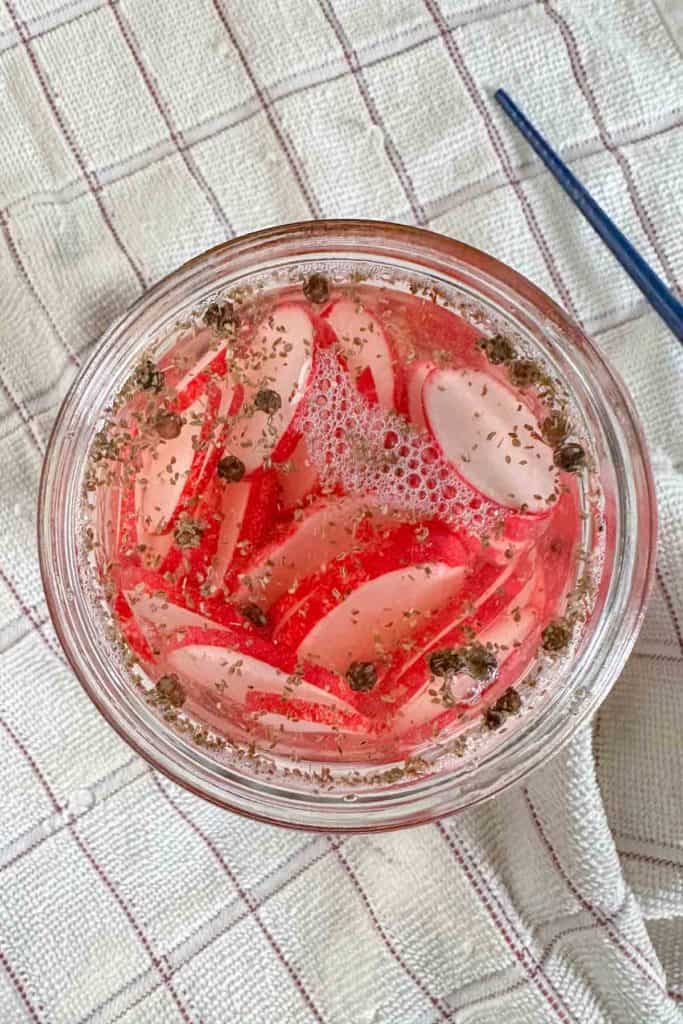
<point x="325" y="530"/>
<point x="487" y="434"/>
<point x="364" y="344"/>
<point x="234" y="674"/>
<point x="281" y="360"/>
<point x="381" y="613"/>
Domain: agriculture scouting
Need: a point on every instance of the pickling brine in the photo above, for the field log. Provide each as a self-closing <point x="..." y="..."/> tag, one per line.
<point x="335" y="520"/>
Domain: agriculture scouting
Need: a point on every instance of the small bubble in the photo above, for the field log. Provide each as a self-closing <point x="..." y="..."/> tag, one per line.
<point x="350" y="798"/>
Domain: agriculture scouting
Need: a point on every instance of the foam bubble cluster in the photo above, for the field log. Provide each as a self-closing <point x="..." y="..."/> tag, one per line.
<point x="367" y="450"/>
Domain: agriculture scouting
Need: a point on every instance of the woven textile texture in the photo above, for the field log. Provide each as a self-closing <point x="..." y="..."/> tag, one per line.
<point x="136" y="133"/>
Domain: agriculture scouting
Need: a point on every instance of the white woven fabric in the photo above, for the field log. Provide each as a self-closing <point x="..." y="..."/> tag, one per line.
<point x="134" y="134"/>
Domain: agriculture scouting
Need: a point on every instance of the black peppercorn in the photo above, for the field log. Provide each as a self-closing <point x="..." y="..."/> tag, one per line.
<point x="170" y="690"/>
<point x="267" y="401"/>
<point x="556" y="636"/>
<point x="493" y="719"/>
<point x="147" y="377"/>
<point x="498" y="349"/>
<point x="480" y="663"/>
<point x="570" y="457"/>
<point x="317" y="288"/>
<point x="448" y="661"/>
<point x="509" y="702"/>
<point x="554" y="428"/>
<point x="230" y="468"/>
<point x="221" y="316"/>
<point x="361" y="676"/>
<point x="167" y="424"/>
<point x="254" y="614"/>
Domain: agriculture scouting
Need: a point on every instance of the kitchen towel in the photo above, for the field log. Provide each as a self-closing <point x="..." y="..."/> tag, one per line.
<point x="136" y="133"/>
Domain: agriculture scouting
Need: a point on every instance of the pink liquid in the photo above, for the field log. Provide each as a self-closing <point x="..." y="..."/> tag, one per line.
<point x="340" y="529"/>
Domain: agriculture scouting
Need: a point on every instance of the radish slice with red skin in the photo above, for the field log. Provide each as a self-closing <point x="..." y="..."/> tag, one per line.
<point x="484" y="595"/>
<point x="130" y="628"/>
<point x="414" y="322"/>
<point x="357" y="609"/>
<point x="374" y="619"/>
<point x="508" y="633"/>
<point x="366" y="347"/>
<point x="299" y="479"/>
<point x="236" y="663"/>
<point x="160" y="609"/>
<point x="471" y="417"/>
<point x="201" y="563"/>
<point x="325" y="529"/>
<point x="416" y="374"/>
<point x="170" y="469"/>
<point x="174" y="471"/>
<point x="281" y="360"/>
<point x="232" y="507"/>
<point x="191" y="355"/>
<point x="257" y="523"/>
<point x="293" y="710"/>
<point x="213" y="374"/>
<point x="117" y="523"/>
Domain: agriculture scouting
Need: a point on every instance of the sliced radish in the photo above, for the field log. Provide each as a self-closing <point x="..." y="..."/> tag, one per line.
<point x="188" y="363"/>
<point x="379" y="615"/>
<point x="130" y="628"/>
<point x="416" y="374"/>
<point x="231" y="525"/>
<point x="171" y="470"/>
<point x="490" y="438"/>
<point x="257" y="523"/>
<point x="234" y="662"/>
<point x="280" y="359"/>
<point x="323" y="531"/>
<point x="368" y="352"/>
<point x="160" y="609"/>
<point x="271" y="707"/>
<point x="422" y="325"/>
<point x="174" y="471"/>
<point x="299" y="479"/>
<point x="117" y="521"/>
<point x="483" y="596"/>
<point x="364" y="604"/>
<point x="233" y="504"/>
<point x="510" y="636"/>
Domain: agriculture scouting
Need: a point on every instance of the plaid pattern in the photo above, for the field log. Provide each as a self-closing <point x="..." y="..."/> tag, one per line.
<point x="137" y="133"/>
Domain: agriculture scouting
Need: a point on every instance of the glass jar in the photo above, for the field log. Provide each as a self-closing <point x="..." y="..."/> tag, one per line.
<point x="490" y="293"/>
